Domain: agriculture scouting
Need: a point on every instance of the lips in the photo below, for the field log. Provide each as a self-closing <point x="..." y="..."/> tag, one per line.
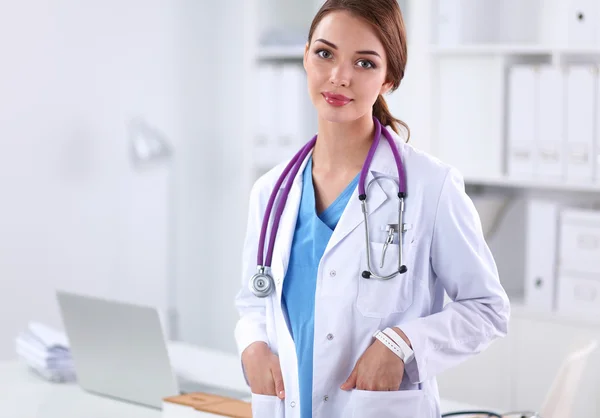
<point x="336" y="99"/>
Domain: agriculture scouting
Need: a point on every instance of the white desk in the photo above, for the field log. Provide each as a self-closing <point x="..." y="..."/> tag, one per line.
<point x="25" y="395"/>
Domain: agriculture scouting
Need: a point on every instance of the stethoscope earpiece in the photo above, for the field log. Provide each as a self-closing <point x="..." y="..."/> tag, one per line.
<point x="367" y="275"/>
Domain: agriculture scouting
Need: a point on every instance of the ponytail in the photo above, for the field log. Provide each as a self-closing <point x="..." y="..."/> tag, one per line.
<point x="383" y="114"/>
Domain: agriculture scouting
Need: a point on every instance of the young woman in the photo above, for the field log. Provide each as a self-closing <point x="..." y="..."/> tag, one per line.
<point x="351" y="246"/>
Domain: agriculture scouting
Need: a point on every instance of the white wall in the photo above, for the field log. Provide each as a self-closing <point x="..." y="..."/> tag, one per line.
<point x="214" y="213"/>
<point x="75" y="213"/>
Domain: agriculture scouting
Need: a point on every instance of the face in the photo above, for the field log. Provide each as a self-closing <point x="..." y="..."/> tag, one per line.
<point x="346" y="68"/>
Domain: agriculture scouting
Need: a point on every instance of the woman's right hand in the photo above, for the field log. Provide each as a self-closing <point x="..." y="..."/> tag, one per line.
<point x="263" y="370"/>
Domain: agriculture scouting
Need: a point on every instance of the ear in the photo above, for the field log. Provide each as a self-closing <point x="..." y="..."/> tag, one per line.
<point x="385" y="87"/>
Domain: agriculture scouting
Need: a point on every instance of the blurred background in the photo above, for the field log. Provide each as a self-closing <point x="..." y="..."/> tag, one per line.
<point x="131" y="133"/>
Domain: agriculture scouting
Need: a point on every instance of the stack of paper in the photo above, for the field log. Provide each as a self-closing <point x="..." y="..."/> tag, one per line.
<point x="46" y="351"/>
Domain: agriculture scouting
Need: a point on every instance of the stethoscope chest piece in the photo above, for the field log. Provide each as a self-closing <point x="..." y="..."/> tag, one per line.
<point x="262" y="284"/>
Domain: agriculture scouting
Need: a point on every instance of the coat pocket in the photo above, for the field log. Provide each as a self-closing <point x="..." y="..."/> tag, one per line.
<point x="379" y="298"/>
<point x="390" y="404"/>
<point x="267" y="406"/>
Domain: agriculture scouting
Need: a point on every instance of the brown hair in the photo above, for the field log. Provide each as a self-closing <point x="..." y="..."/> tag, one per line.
<point x="386" y="18"/>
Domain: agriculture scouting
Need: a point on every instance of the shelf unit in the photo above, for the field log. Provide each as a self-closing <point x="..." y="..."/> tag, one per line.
<point x="520" y="309"/>
<point x="491" y="49"/>
<point x="275" y="53"/>
<point x="295" y="53"/>
<point x="514" y="49"/>
<point x="431" y="59"/>
<point x="538" y="184"/>
<point x="477" y="74"/>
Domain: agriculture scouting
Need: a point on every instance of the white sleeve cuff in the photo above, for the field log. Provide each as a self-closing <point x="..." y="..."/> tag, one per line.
<point x="247" y="332"/>
<point x="412" y="368"/>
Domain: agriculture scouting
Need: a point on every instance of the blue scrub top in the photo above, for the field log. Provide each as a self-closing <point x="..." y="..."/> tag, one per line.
<point x="311" y="237"/>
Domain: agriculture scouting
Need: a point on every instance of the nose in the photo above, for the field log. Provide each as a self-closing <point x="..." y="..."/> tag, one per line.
<point x="340" y="76"/>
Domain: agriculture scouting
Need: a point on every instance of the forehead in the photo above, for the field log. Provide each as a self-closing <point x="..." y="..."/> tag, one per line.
<point x="348" y="31"/>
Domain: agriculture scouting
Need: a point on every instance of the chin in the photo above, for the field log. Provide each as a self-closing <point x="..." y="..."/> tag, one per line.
<point x="338" y="115"/>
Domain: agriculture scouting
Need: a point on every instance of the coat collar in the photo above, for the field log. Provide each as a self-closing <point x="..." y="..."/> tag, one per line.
<point x="382" y="164"/>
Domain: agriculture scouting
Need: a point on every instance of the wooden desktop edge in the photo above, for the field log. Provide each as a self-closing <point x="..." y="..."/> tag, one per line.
<point x="220" y="405"/>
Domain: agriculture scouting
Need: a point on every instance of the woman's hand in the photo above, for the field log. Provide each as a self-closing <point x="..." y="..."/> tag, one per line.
<point x="263" y="370"/>
<point x="378" y="369"/>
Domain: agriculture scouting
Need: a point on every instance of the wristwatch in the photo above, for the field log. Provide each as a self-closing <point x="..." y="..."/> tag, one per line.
<point x="394" y="342"/>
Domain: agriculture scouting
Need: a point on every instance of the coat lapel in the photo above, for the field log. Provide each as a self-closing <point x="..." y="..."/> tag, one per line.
<point x="382" y="164"/>
<point x="287" y="227"/>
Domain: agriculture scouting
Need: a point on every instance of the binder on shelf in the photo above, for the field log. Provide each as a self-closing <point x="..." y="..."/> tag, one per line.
<point x="550" y="124"/>
<point x="583" y="21"/>
<point x="286" y="117"/>
<point x="596" y="146"/>
<point x="540" y="258"/>
<point x="292" y="107"/>
<point x="581" y="110"/>
<point x="522" y="104"/>
<point x="264" y="145"/>
<point x="449" y="22"/>
<point x="520" y="22"/>
<point x="554" y="17"/>
<point x="461" y="22"/>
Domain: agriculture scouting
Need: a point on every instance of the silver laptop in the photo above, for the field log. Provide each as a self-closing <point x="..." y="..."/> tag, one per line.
<point x="119" y="351"/>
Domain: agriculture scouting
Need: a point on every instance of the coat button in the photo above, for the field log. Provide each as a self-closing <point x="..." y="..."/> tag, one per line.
<point x="330" y="337"/>
<point x="332" y="273"/>
<point x="292" y="404"/>
<point x="325" y="398"/>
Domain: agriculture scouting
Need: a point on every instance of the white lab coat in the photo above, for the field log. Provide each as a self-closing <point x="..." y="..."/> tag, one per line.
<point x="444" y="250"/>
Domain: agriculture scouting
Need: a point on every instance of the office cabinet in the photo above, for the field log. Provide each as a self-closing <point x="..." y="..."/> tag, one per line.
<point x="580" y="241"/>
<point x="581" y="111"/>
<point x="579" y="294"/>
<point x="540" y="255"/>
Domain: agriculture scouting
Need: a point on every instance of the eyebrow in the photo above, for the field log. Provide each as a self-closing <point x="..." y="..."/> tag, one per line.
<point x="332" y="45"/>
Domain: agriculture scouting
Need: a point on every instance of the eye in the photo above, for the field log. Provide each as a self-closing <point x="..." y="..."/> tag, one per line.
<point x="323" y="53"/>
<point x="366" y="64"/>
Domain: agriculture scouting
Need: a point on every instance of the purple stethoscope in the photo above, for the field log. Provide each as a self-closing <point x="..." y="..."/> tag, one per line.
<point x="262" y="284"/>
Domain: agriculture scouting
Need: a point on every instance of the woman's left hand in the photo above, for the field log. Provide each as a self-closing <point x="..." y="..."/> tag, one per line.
<point x="378" y="369"/>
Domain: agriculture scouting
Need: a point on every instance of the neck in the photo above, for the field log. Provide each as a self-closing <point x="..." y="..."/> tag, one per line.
<point x="343" y="147"/>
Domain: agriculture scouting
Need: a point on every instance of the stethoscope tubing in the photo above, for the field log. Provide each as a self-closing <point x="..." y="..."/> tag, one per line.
<point x="293" y="166"/>
<point x="290" y="172"/>
<point x="401" y="267"/>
